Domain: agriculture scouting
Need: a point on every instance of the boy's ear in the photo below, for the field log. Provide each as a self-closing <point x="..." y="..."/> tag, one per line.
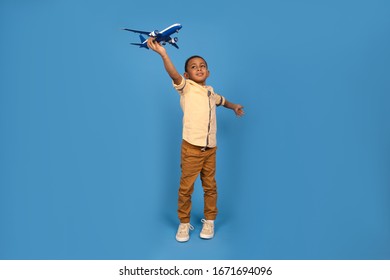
<point x="186" y="75"/>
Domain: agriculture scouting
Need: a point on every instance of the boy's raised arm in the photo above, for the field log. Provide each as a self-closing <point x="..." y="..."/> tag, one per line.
<point x="169" y="67"/>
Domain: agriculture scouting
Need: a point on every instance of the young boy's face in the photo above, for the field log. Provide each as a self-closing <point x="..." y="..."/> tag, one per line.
<point x="197" y="70"/>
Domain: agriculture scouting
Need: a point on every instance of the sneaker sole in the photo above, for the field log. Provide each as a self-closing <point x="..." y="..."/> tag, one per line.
<point x="206" y="236"/>
<point x="182" y="239"/>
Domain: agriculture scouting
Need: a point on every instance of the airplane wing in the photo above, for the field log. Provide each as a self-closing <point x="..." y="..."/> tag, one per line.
<point x="175" y="45"/>
<point x="172" y="42"/>
<point x="137" y="31"/>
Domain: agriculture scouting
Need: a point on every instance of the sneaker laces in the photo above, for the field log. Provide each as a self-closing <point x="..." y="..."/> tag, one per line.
<point x="183" y="228"/>
<point x="207" y="225"/>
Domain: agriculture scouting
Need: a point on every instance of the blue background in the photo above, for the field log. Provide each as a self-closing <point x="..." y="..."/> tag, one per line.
<point x="91" y="129"/>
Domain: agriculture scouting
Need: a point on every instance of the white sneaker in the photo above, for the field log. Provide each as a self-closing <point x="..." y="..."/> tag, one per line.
<point x="207" y="230"/>
<point x="182" y="234"/>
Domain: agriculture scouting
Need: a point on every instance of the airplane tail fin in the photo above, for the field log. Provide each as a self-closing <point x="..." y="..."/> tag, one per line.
<point x="142" y="38"/>
<point x="142" y="44"/>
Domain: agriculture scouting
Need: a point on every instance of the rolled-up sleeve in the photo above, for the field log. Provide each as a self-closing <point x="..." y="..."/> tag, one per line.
<point x="219" y="100"/>
<point x="180" y="87"/>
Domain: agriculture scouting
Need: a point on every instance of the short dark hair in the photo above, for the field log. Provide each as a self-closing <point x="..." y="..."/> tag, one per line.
<point x="188" y="60"/>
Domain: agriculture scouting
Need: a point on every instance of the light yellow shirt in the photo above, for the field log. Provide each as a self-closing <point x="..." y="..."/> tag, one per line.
<point x="199" y="121"/>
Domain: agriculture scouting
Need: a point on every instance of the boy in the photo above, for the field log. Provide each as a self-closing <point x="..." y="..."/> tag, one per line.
<point x="198" y="151"/>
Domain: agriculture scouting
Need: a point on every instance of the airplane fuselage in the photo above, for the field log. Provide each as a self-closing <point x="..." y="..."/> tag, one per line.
<point x="164" y="36"/>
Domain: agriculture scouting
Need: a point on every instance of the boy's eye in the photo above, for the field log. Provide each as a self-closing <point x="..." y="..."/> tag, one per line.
<point x="201" y="66"/>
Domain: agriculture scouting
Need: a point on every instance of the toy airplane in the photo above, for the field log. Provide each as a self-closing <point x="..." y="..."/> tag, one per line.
<point x="163" y="36"/>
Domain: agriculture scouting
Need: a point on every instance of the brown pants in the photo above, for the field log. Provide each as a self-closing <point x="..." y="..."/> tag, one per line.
<point x="194" y="161"/>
